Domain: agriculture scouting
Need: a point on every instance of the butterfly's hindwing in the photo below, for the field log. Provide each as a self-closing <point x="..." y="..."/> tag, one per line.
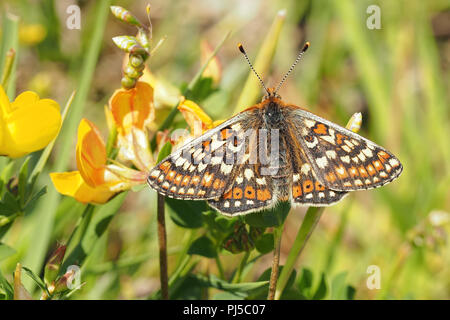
<point x="306" y="188"/>
<point x="341" y="159"/>
<point x="250" y="192"/>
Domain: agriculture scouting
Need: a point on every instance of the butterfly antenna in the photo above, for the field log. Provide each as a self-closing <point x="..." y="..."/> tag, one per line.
<point x="305" y="47"/>
<point x="241" y="49"/>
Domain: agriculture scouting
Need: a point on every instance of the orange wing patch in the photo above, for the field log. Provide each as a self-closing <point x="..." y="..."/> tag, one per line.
<point x="321" y="129"/>
<point x="249" y="192"/>
<point x="263" y="195"/>
<point x="308" y="186"/>
<point x="237" y="193"/>
<point x="296" y="191"/>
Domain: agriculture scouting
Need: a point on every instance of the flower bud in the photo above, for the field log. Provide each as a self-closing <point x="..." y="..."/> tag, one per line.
<point x="53" y="265"/>
<point x="128" y="83"/>
<point x="62" y="284"/>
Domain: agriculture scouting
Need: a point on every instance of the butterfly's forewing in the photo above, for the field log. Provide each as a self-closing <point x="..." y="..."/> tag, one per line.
<point x="198" y="170"/>
<point x="341" y="159"/>
<point x="251" y="191"/>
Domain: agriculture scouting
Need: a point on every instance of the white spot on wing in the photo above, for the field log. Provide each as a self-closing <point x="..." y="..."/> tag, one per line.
<point x="394" y="162"/>
<point x="322" y="162"/>
<point x="331" y="154"/>
<point x="261" y="181"/>
<point x="226" y="168"/>
<point x="367" y="152"/>
<point x="305" y="168"/>
<point x="248" y="173"/>
<point x="345" y="159"/>
<point x="309" y="123"/>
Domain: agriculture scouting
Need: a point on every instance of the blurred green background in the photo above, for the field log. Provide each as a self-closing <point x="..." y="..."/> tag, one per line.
<point x="397" y="76"/>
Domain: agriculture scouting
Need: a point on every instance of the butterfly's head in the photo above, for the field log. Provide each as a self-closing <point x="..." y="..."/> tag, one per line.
<point x="271" y="94"/>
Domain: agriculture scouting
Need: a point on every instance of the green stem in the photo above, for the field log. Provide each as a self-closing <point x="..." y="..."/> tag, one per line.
<point x="238" y="275"/>
<point x="10" y="40"/>
<point x="277" y="232"/>
<point x="9" y="62"/>
<point x="220" y="267"/>
<point x="309" y="223"/>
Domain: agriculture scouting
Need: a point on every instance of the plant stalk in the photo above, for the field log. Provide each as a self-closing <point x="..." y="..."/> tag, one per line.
<point x="275" y="263"/>
<point x="306" y="229"/>
<point x="162" y="240"/>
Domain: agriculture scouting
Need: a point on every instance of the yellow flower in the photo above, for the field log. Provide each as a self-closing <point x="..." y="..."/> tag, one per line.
<point x="95" y="181"/>
<point x="197" y="119"/>
<point x="28" y="124"/>
<point x="132" y="111"/>
<point x="133" y="107"/>
<point x="32" y="34"/>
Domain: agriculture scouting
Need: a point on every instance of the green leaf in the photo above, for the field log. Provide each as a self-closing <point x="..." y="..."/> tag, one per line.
<point x="305" y="282"/>
<point x="6" y="251"/>
<point x="203" y="246"/>
<point x="321" y="291"/>
<point x="269" y="218"/>
<point x="265" y="244"/>
<point x="36" y="279"/>
<point x="90" y="229"/>
<point x="244" y="287"/>
<point x="224" y="224"/>
<point x="350" y="293"/>
<point x="228" y="296"/>
<point x="201" y="90"/>
<point x="23" y="176"/>
<point x="165" y="151"/>
<point x="30" y="202"/>
<point x="338" y="287"/>
<point x="186" y="213"/>
<point x="6" y="287"/>
<point x="9" y="204"/>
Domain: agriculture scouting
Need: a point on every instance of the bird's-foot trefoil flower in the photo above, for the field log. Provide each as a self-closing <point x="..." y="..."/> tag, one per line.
<point x="28" y="124"/>
<point x="95" y="181"/>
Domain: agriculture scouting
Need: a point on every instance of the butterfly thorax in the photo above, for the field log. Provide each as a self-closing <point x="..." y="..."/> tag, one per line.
<point x="273" y="115"/>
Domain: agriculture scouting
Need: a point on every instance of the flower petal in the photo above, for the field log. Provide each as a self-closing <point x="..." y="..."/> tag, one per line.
<point x="120" y="178"/>
<point x="5" y="106"/>
<point x="91" y="153"/>
<point x="195" y="117"/>
<point x="72" y="184"/>
<point x="31" y="125"/>
<point x="26" y="99"/>
<point x="134" y="147"/>
<point x="133" y="107"/>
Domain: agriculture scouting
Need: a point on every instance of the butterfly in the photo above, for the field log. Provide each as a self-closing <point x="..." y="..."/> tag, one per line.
<point x="271" y="152"/>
